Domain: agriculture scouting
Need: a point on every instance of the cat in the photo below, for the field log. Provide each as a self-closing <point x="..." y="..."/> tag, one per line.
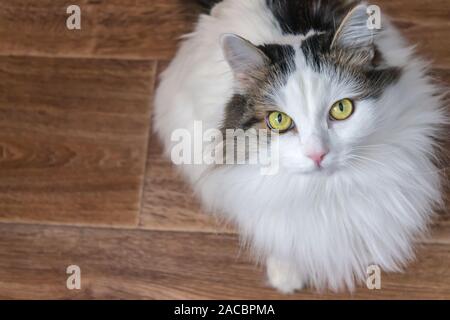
<point x="357" y="121"/>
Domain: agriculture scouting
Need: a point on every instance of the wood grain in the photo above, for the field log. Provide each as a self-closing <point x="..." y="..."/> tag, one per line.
<point x="131" y="29"/>
<point x="150" y="29"/>
<point x="424" y="12"/>
<point x="73" y="139"/>
<point x="130" y="264"/>
<point x="440" y="232"/>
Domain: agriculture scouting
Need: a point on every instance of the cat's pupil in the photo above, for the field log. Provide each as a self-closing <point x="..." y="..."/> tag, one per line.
<point x="280" y="118"/>
<point x="341" y="107"/>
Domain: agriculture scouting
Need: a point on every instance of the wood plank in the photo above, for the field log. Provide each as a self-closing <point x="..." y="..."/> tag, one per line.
<point x="420" y="11"/>
<point x="431" y="41"/>
<point x="440" y="232"/>
<point x="132" y="264"/>
<point x="424" y="24"/>
<point x="73" y="139"/>
<point x="130" y="29"/>
<point x="150" y="29"/>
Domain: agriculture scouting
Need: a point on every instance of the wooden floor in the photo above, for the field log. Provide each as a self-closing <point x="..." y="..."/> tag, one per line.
<point x="82" y="179"/>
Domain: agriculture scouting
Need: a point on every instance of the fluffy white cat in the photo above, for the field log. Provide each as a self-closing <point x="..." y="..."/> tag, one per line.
<point x="358" y="119"/>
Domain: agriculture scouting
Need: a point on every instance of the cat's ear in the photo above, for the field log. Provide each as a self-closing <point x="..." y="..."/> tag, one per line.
<point x="244" y="58"/>
<point x="355" y="35"/>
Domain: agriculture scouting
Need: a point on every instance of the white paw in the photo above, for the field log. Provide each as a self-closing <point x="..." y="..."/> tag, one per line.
<point x="284" y="277"/>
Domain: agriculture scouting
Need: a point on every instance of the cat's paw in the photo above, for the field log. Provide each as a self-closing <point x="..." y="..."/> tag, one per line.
<point x="283" y="277"/>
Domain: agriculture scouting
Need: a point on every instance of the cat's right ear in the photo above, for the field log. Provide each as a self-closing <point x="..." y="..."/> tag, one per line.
<point x="355" y="36"/>
<point x="244" y="58"/>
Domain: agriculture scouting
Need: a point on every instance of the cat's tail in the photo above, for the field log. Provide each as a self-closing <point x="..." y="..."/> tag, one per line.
<point x="208" y="4"/>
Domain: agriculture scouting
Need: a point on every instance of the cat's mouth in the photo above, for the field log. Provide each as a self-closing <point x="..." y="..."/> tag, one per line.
<point x="322" y="170"/>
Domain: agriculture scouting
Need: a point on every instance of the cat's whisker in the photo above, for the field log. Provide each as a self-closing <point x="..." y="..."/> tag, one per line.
<point x="368" y="159"/>
<point x="437" y="171"/>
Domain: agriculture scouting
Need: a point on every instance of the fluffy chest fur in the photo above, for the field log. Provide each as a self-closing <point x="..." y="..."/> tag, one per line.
<point x="372" y="195"/>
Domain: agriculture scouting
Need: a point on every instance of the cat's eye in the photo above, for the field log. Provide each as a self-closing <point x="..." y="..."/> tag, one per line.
<point x="279" y="121"/>
<point x="342" y="110"/>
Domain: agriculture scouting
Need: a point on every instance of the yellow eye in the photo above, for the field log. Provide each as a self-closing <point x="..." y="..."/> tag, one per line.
<point x="279" y="121"/>
<point x="342" y="110"/>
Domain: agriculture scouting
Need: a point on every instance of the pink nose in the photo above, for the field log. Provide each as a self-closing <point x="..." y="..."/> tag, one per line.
<point x="318" y="157"/>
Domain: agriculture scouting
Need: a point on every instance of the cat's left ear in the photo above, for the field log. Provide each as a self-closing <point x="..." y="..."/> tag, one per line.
<point x="244" y="58"/>
<point x="355" y="35"/>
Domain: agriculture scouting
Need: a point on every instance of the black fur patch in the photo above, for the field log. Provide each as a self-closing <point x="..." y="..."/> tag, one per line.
<point x="208" y="4"/>
<point x="281" y="57"/>
<point x="301" y="16"/>
<point x="315" y="47"/>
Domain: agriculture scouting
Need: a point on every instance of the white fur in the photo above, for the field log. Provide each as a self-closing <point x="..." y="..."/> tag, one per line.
<point x="376" y="193"/>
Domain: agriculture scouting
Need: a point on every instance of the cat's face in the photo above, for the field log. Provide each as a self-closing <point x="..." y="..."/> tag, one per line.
<point x="322" y="95"/>
<point x="334" y="116"/>
<point x="321" y="139"/>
